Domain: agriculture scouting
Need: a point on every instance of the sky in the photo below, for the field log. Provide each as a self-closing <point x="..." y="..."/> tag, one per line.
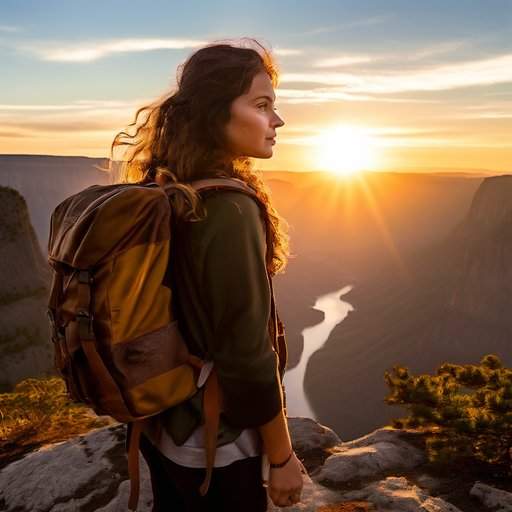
<point x="374" y="85"/>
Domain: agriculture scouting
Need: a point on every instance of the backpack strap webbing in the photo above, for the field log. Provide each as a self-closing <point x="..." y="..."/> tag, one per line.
<point x="85" y="336"/>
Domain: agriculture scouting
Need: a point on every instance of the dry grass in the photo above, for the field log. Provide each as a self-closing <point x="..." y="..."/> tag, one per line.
<point x="348" y="506"/>
<point x="38" y="412"/>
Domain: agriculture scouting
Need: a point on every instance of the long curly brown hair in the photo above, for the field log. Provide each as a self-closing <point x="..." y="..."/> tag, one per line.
<point x="182" y="135"/>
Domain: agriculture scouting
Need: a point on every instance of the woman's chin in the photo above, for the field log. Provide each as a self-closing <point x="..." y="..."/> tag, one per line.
<point x="267" y="153"/>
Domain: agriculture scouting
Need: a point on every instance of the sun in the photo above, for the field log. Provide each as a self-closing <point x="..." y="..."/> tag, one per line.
<point x="345" y="150"/>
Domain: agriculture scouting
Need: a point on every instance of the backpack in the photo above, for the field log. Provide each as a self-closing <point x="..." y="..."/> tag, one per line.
<point x="116" y="343"/>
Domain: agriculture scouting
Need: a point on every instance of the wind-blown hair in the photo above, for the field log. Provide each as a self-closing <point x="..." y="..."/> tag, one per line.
<point x="182" y="135"/>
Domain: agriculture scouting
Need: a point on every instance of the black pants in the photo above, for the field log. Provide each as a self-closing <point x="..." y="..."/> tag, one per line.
<point x="234" y="488"/>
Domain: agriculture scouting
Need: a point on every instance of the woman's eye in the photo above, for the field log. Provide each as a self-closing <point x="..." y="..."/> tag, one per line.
<point x="265" y="105"/>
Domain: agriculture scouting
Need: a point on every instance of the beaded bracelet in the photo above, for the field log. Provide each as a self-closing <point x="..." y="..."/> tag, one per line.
<point x="281" y="464"/>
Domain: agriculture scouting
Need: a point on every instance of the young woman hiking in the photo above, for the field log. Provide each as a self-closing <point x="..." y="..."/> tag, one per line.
<point x="221" y="114"/>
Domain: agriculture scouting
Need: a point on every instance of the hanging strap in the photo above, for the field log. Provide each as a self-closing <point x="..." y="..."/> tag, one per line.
<point x="211" y="414"/>
<point x="211" y="408"/>
<point x="87" y="339"/>
<point x="133" y="434"/>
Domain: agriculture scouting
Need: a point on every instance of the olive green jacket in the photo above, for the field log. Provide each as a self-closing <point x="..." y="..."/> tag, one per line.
<point x="222" y="301"/>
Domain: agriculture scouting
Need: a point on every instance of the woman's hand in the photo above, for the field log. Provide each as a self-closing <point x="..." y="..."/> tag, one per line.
<point x="285" y="484"/>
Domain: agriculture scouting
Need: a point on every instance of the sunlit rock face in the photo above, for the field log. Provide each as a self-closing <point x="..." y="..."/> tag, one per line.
<point x="387" y="473"/>
<point x="25" y="347"/>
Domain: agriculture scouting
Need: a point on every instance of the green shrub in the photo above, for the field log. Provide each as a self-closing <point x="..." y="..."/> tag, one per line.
<point x="39" y="411"/>
<point x="466" y="409"/>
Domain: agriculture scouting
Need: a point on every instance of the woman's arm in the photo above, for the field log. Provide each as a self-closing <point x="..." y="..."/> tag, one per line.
<point x="236" y="291"/>
<point x="238" y="296"/>
<point x="276" y="438"/>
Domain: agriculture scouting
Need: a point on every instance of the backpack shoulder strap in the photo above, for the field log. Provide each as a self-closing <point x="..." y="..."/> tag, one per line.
<point x="276" y="325"/>
<point x="222" y="184"/>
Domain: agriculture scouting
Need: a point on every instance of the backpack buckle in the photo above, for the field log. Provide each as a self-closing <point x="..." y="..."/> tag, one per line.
<point x="84" y="321"/>
<point x="85" y="276"/>
<point x="51" y="318"/>
<point x="56" y="335"/>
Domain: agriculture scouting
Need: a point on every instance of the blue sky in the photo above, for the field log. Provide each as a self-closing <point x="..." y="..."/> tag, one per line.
<point x="430" y="82"/>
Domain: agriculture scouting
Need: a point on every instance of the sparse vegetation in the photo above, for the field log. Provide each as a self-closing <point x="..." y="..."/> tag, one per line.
<point x="466" y="410"/>
<point x="39" y="411"/>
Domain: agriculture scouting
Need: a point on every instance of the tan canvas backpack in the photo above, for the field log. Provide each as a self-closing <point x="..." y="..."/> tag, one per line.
<point x="116" y="343"/>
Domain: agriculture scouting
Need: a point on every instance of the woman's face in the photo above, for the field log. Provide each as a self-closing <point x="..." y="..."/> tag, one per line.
<point x="252" y="126"/>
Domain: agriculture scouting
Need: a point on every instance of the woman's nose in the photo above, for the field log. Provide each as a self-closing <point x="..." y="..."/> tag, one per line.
<point x="279" y="120"/>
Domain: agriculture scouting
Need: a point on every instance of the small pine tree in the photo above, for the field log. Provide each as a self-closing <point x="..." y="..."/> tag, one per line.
<point x="465" y="409"/>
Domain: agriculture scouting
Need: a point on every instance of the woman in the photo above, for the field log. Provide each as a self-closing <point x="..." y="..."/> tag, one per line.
<point x="221" y="115"/>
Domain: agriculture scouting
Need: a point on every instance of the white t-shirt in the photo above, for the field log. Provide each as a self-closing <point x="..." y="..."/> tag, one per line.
<point x="192" y="454"/>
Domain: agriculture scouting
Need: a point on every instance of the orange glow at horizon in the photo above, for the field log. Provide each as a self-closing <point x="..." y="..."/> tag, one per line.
<point x="345" y="150"/>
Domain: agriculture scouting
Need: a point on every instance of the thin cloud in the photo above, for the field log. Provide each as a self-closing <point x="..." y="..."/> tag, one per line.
<point x="285" y="52"/>
<point x="433" y="50"/>
<point x="82" y="116"/>
<point x="91" y="51"/>
<point x="441" y="48"/>
<point x="95" y="50"/>
<point x="64" y="126"/>
<point x="14" y="135"/>
<point x="325" y="95"/>
<point x="435" y="78"/>
<point x="440" y="142"/>
<point x="342" y="61"/>
<point x="9" y="28"/>
<point x="489" y="110"/>
<point x="485" y="115"/>
<point x="77" y="105"/>
<point x="365" y="22"/>
<point x="294" y="96"/>
<point x="396" y="137"/>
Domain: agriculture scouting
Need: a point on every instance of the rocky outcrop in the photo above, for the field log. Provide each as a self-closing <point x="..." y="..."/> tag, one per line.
<point x="89" y="473"/>
<point x="383" y="450"/>
<point x="396" y="494"/>
<point x="25" y="348"/>
<point x="495" y="499"/>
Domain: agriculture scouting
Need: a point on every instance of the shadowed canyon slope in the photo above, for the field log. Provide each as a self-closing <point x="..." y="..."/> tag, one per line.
<point x="346" y="231"/>
<point x="45" y="181"/>
<point x="445" y="304"/>
<point x="341" y="231"/>
<point x="24" y="279"/>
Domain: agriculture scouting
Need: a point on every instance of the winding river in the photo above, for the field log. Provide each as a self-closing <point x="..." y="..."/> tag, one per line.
<point x="335" y="310"/>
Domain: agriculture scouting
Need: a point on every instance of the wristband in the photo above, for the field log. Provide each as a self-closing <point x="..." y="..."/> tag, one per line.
<point x="281" y="464"/>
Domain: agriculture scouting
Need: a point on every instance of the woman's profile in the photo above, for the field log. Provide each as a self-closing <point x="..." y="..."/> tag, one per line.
<point x="223" y="255"/>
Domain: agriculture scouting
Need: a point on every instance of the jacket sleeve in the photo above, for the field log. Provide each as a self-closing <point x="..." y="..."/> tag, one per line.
<point x="237" y="295"/>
